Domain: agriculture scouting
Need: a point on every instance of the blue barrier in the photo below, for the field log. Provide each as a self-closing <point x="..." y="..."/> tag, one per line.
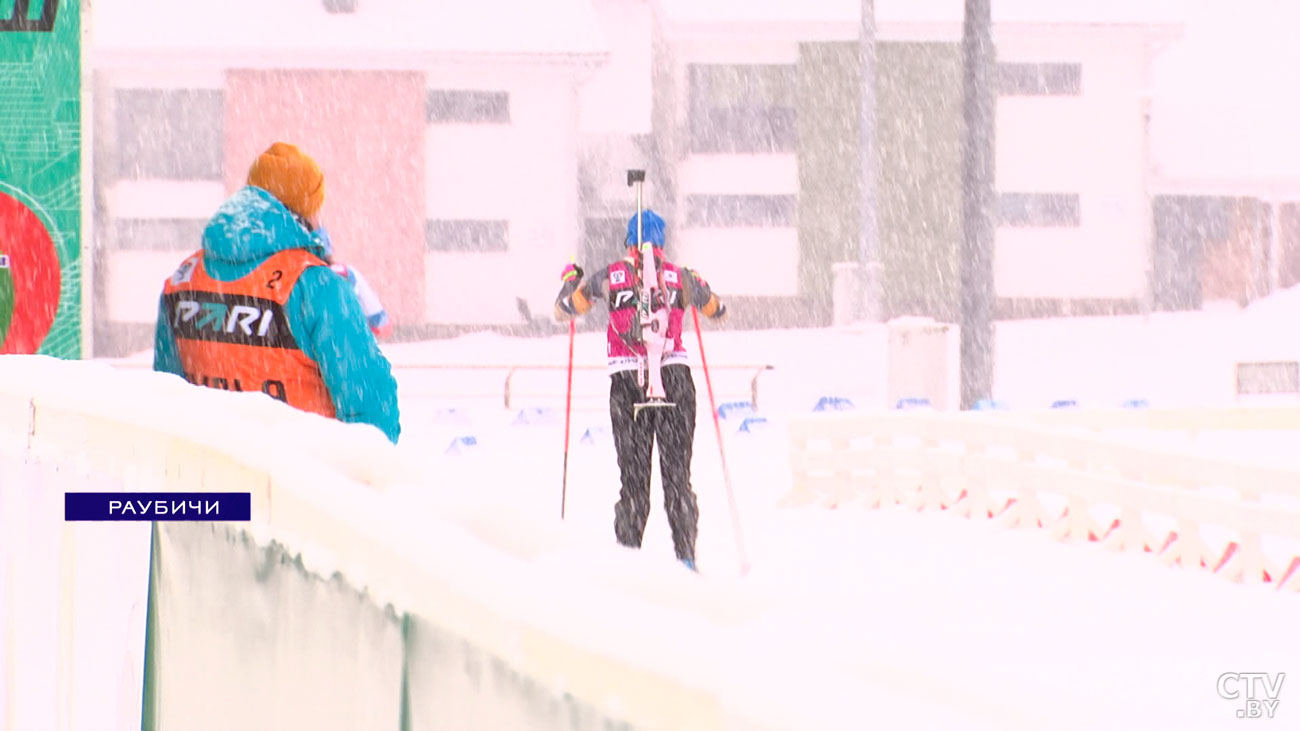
<point x="833" y="403"/>
<point x="460" y="444"/>
<point x="988" y="404"/>
<point x="913" y="403"/>
<point x="735" y="408"/>
<point x="594" y="433"/>
<point x="534" y="415"/>
<point x="1136" y="403"/>
<point x="1065" y="404"/>
<point x="752" y="424"/>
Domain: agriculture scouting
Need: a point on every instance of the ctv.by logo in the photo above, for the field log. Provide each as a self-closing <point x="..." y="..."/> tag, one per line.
<point x="1260" y="692"/>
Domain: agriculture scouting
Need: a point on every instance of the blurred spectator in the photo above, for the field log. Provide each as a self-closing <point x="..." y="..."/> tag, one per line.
<point x="258" y="307"/>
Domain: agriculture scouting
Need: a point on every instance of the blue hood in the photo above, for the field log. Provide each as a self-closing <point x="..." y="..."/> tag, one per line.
<point x="249" y="227"/>
<point x="652" y="228"/>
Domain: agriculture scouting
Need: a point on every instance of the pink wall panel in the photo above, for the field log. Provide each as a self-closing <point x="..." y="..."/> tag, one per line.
<point x="366" y="130"/>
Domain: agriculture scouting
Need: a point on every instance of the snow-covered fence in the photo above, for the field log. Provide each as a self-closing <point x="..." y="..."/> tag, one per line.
<point x="544" y="384"/>
<point x="337" y="605"/>
<point x="1190" y="421"/>
<point x="1072" y="474"/>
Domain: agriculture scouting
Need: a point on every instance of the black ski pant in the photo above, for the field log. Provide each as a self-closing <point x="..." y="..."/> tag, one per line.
<point x="633" y="439"/>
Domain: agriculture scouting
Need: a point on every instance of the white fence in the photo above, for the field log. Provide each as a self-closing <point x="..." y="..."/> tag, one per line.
<point x="1088" y="476"/>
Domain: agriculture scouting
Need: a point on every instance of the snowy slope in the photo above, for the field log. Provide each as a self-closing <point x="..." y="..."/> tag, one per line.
<point x="910" y="620"/>
<point x="913" y="620"/>
<point x="965" y="619"/>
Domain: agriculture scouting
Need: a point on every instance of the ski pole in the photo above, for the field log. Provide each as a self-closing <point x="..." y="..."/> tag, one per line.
<point x="568" y="402"/>
<point x="722" y="453"/>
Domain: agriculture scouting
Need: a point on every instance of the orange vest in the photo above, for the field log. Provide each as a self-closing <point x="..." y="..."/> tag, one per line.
<point x="235" y="335"/>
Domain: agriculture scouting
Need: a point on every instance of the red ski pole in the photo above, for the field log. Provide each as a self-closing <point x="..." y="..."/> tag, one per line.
<point x="722" y="453"/>
<point x="568" y="402"/>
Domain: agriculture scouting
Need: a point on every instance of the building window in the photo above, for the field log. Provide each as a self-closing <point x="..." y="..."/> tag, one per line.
<point x="169" y="134"/>
<point x="467" y="107"/>
<point x="1040" y="79"/>
<point x="340" y="6"/>
<point x="1039" y="209"/>
<point x="467" y="235"/>
<point x="1268" y="378"/>
<point x="742" y="109"/>
<point x="158" y="234"/>
<point x="603" y="238"/>
<point x="740" y="211"/>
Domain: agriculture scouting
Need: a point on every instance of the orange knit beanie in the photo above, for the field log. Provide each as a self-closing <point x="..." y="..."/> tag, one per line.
<point x="291" y="176"/>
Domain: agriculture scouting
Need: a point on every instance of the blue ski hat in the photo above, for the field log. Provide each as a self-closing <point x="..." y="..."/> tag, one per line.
<point x="652" y="228"/>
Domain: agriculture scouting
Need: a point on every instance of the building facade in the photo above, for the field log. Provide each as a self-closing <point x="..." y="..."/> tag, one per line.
<point x="765" y="127"/>
<point x="468" y="158"/>
<point x="450" y="150"/>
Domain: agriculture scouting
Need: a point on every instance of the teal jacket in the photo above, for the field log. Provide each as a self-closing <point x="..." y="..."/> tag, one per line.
<point x="324" y="314"/>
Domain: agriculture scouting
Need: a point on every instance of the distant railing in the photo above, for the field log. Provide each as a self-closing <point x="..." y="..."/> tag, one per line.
<point x="509" y="394"/>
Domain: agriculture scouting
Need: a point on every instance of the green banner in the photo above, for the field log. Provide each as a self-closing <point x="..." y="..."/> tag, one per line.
<point x="41" y="301"/>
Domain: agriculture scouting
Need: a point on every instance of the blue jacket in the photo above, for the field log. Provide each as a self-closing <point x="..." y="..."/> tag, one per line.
<point x="324" y="315"/>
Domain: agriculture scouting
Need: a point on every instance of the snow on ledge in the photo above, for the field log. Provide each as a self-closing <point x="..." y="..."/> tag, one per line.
<point x="558" y="611"/>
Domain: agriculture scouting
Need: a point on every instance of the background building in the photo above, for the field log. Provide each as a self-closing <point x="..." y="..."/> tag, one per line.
<point x="468" y="157"/>
<point x="767" y="132"/>
<point x="449" y="141"/>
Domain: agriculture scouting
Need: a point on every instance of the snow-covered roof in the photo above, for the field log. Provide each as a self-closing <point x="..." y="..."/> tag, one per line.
<point x="379" y="32"/>
<point x="839" y="19"/>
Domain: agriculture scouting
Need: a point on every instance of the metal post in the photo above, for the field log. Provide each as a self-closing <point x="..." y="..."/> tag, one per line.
<point x="978" y="223"/>
<point x="869" y="233"/>
<point x="1258" y="262"/>
<point x="1275" y="244"/>
<point x="510" y="376"/>
<point x="1148" y="200"/>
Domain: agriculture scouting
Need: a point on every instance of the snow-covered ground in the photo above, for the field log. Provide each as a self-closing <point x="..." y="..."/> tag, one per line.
<point x="921" y="604"/>
<point x="929" y="620"/>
